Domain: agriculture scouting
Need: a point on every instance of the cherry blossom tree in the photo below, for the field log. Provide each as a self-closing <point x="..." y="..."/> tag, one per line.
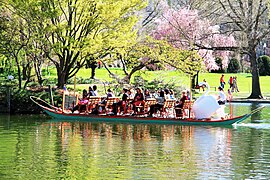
<point x="186" y="30"/>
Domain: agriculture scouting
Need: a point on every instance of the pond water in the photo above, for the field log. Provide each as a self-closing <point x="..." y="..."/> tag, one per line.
<point x="37" y="147"/>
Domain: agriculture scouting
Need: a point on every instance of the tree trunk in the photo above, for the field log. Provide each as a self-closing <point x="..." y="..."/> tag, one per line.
<point x="126" y="79"/>
<point x="38" y="67"/>
<point x="93" y="67"/>
<point x="26" y="82"/>
<point x="128" y="76"/>
<point x="256" y="89"/>
<point x="24" y="73"/>
<point x="19" y="72"/>
<point x="27" y="74"/>
<point x="62" y="79"/>
<point x="195" y="80"/>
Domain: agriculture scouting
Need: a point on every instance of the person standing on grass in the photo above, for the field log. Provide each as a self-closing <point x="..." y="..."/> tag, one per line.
<point x="234" y="86"/>
<point x="230" y="82"/>
<point x="222" y="81"/>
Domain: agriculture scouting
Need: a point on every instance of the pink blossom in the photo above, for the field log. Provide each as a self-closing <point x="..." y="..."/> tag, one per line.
<point x="186" y="30"/>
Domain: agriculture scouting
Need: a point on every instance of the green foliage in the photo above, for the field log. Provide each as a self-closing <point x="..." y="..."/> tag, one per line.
<point x="159" y="54"/>
<point x="160" y="83"/>
<point x="80" y="80"/>
<point x="68" y="31"/>
<point x="21" y="103"/>
<point x="264" y="65"/>
<point x="233" y="66"/>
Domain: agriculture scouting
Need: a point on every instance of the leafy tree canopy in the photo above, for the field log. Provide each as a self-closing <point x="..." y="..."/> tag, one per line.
<point x="68" y="31"/>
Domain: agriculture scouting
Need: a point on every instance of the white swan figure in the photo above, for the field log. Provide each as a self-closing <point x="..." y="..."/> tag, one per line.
<point x="205" y="106"/>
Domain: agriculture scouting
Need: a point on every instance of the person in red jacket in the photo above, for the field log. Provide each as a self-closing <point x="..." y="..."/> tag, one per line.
<point x="180" y="104"/>
<point x="222" y="81"/>
<point x="138" y="99"/>
<point x="231" y="81"/>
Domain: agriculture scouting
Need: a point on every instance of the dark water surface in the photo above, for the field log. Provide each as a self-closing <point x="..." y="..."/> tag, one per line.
<point x="36" y="147"/>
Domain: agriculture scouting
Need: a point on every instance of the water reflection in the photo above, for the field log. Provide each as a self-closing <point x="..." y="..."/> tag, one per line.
<point x="125" y="131"/>
<point x="238" y="109"/>
<point x="35" y="147"/>
<point x="124" y="145"/>
<point x="74" y="149"/>
<point x="256" y="116"/>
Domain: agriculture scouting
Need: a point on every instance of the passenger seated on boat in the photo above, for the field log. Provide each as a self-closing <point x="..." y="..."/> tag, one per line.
<point x="122" y="103"/>
<point x="148" y="102"/>
<point x="172" y="94"/>
<point x="131" y="93"/>
<point x="109" y="94"/>
<point x="82" y="102"/>
<point x="95" y="90"/>
<point x="221" y="99"/>
<point x="167" y="94"/>
<point x="104" y="100"/>
<point x="130" y="100"/>
<point x="147" y="94"/>
<point x="90" y="92"/>
<point x="138" y="99"/>
<point x="179" y="104"/>
<point x="159" y="105"/>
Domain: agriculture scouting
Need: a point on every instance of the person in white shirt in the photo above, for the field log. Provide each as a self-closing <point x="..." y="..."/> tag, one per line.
<point x="131" y="93"/>
<point x="95" y="90"/>
<point x="203" y="84"/>
<point x="221" y="96"/>
<point x="167" y="94"/>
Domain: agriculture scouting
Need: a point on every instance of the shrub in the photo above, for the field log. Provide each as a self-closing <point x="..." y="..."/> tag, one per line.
<point x="264" y="65"/>
<point x="80" y="80"/>
<point x="233" y="66"/>
<point x="219" y="63"/>
<point x="158" y="84"/>
<point x="21" y="103"/>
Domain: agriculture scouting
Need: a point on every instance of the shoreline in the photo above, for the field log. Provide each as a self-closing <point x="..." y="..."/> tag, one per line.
<point x="246" y="100"/>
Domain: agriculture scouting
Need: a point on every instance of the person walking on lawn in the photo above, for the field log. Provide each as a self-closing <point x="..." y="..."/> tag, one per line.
<point x="222" y="81"/>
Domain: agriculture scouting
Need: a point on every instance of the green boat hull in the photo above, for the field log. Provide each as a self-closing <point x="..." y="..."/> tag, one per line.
<point x="59" y="115"/>
<point x="131" y="119"/>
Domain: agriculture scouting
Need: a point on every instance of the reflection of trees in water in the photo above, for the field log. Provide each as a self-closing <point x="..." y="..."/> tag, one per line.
<point x="125" y="131"/>
<point x="257" y="115"/>
<point x="239" y="109"/>
<point x="251" y="148"/>
<point x="136" y="143"/>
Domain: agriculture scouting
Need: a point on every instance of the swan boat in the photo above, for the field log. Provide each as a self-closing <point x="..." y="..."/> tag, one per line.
<point x="59" y="114"/>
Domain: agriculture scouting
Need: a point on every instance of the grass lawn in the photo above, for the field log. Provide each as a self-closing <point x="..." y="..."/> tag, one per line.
<point x="244" y="80"/>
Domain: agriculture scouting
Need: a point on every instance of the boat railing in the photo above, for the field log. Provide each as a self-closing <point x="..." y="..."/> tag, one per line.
<point x="109" y="104"/>
<point x="186" y="110"/>
<point x="144" y="107"/>
<point x="69" y="100"/>
<point x="169" y="108"/>
<point x="93" y="101"/>
<point x="149" y="102"/>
